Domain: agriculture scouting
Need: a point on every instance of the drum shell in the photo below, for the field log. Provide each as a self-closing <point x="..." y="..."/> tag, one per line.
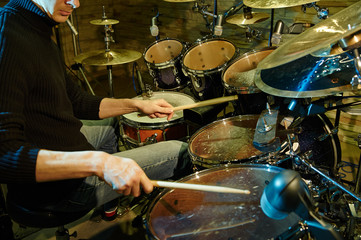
<point x="163" y="59"/>
<point x="137" y="131"/>
<point x="186" y="214"/>
<point x="204" y="62"/>
<point x="238" y="78"/>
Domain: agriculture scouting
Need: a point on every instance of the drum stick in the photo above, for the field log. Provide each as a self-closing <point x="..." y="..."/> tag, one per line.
<point x="202" y="103"/>
<point x="198" y="187"/>
<point x="206" y="102"/>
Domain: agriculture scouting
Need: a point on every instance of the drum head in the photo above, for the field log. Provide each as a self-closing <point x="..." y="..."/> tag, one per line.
<point x="163" y="51"/>
<point x="240" y="74"/>
<point x="186" y="214"/>
<point x="225" y="141"/>
<point x="174" y="98"/>
<point x="209" y="55"/>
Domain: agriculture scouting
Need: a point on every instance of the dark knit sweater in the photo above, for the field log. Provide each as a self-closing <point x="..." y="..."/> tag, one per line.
<point x="40" y="107"/>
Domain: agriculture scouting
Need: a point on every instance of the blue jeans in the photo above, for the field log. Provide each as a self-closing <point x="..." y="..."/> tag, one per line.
<point x="163" y="160"/>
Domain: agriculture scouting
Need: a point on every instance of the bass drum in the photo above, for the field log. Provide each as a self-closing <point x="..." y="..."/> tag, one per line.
<point x="319" y="137"/>
<point x="230" y="141"/>
<point x="186" y="214"/>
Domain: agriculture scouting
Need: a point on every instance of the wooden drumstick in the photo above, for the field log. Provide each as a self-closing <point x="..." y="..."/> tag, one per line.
<point x="206" y="103"/>
<point x="202" y="103"/>
<point x="198" y="187"/>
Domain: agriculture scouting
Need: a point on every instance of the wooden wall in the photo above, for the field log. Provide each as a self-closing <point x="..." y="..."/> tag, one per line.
<point x="179" y="21"/>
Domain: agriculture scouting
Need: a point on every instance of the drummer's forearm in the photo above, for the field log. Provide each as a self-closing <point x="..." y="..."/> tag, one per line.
<point x="57" y="165"/>
<point x="110" y="107"/>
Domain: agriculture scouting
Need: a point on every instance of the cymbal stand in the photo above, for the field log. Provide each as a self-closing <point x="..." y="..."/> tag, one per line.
<point x="322" y="13"/>
<point x="108" y="38"/>
<point x="203" y="9"/>
<point x="251" y="33"/>
<point x="75" y="47"/>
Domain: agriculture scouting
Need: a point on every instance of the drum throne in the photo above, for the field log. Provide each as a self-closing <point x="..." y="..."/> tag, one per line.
<point x="42" y="218"/>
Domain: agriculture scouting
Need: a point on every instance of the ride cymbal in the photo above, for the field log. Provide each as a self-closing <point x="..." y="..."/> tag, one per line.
<point x="241" y="19"/>
<point x="104" y="22"/>
<point x="265" y="4"/>
<point x="104" y="58"/>
<point x="343" y="26"/>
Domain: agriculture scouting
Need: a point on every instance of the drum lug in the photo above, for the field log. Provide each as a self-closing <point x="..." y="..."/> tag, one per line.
<point x="326" y="135"/>
<point x="151" y="139"/>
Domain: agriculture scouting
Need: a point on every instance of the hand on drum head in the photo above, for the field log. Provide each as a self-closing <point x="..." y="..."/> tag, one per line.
<point x="124" y="175"/>
<point x="157" y="108"/>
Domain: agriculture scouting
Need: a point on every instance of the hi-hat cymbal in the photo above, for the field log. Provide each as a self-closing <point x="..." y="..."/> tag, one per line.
<point x="275" y="4"/>
<point x="104" y="22"/>
<point x="105" y="58"/>
<point x="344" y="25"/>
<point x="240" y="19"/>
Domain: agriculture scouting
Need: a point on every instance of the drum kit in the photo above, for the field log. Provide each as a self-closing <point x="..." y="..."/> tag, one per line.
<point x="278" y="123"/>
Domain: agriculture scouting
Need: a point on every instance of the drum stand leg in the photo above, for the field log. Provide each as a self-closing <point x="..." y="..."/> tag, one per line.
<point x="86" y="80"/>
<point x="110" y="79"/>
<point x="358" y="175"/>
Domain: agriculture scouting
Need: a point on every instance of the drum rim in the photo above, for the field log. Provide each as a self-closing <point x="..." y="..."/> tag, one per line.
<point x="168" y="63"/>
<point x="202" y="172"/>
<point x="202" y="73"/>
<point x="243" y="90"/>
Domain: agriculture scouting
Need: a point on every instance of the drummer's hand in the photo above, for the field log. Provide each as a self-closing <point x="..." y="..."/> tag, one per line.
<point x="157" y="108"/>
<point x="124" y="175"/>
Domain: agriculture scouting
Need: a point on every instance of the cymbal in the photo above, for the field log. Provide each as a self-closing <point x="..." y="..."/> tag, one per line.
<point x="309" y="76"/>
<point x="104" y="58"/>
<point x="343" y="25"/>
<point x="275" y="4"/>
<point x="104" y="22"/>
<point x="239" y="19"/>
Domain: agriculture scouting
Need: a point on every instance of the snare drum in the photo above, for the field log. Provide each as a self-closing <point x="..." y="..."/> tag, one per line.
<point x="230" y="140"/>
<point x="188" y="214"/>
<point x="238" y="78"/>
<point x="163" y="61"/>
<point x="204" y="63"/>
<point x="141" y="130"/>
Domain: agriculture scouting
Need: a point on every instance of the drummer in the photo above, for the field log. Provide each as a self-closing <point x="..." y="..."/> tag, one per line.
<point x="46" y="162"/>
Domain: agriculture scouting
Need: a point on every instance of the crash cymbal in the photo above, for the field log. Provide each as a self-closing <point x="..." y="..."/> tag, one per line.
<point x="343" y="26"/>
<point x="104" y="58"/>
<point x="178" y="1"/>
<point x="309" y="77"/>
<point x="240" y="19"/>
<point x="275" y="4"/>
<point x="353" y="41"/>
<point x="104" y="22"/>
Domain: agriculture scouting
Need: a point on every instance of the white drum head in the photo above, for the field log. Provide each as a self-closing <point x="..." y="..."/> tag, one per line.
<point x="163" y="51"/>
<point x="209" y="55"/>
<point x="174" y="98"/>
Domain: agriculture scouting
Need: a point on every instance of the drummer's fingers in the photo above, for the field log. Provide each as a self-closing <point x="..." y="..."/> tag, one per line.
<point x="170" y="116"/>
<point x="161" y="115"/>
<point x="146" y="184"/>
